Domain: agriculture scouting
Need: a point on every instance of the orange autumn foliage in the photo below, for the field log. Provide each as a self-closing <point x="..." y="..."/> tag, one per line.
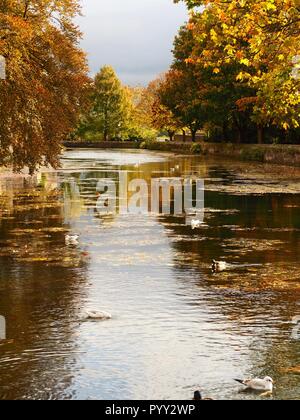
<point x="46" y="80"/>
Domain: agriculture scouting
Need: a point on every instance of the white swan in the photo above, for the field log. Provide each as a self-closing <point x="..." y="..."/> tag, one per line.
<point x="95" y="315"/>
<point x="257" y="384"/>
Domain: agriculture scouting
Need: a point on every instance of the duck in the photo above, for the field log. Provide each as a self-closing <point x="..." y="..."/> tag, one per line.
<point x="72" y="239"/>
<point x="218" y="266"/>
<point x="196" y="224"/>
<point x="257" y="384"/>
<point x="94" y="315"/>
<point x="198" y="397"/>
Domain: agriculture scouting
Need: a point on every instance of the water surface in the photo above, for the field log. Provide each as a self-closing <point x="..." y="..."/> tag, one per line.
<point x="176" y="326"/>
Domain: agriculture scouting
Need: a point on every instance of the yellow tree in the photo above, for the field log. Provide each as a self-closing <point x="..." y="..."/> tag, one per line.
<point x="261" y="36"/>
<point x="140" y="125"/>
<point x="46" y="80"/>
<point x="155" y="113"/>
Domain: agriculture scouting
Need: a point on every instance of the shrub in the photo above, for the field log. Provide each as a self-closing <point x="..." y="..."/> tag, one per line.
<point x="196" y="149"/>
<point x="254" y="154"/>
<point x="149" y="144"/>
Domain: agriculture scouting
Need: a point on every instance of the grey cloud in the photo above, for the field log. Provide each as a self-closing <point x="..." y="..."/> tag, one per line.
<point x="134" y="36"/>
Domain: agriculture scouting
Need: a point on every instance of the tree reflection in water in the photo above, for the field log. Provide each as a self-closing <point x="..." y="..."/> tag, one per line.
<point x="42" y="286"/>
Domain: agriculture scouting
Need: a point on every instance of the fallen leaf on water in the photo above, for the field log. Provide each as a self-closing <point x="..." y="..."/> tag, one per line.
<point x="35" y="259"/>
<point x="54" y="229"/>
<point x="295" y="370"/>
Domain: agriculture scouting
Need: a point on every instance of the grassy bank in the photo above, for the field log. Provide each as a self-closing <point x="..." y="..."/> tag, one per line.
<point x="102" y="145"/>
<point x="275" y="154"/>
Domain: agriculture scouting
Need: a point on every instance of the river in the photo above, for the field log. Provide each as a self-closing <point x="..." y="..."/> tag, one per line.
<point x="176" y="326"/>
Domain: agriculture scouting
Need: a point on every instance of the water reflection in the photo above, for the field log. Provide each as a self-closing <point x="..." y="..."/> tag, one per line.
<point x="40" y="302"/>
<point x="176" y="326"/>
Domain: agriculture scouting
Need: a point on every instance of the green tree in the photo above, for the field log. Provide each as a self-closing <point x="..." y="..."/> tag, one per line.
<point x="111" y="107"/>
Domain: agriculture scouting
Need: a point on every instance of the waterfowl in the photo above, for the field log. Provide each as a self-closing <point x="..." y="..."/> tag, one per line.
<point x="196" y="224"/>
<point x="257" y="384"/>
<point x="218" y="266"/>
<point x="71" y="239"/>
<point x="97" y="315"/>
<point x="198" y="397"/>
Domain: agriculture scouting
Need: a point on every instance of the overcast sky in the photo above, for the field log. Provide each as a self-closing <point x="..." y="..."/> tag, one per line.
<point x="134" y="36"/>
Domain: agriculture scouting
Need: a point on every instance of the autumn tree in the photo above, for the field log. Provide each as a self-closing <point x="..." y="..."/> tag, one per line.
<point x="46" y="80"/>
<point x="182" y="94"/>
<point x="205" y="96"/>
<point x="139" y="125"/>
<point x="182" y="91"/>
<point x="261" y="36"/>
<point x="155" y="113"/>
<point x="164" y="120"/>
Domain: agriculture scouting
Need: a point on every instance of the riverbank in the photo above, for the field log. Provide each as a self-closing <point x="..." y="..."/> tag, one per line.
<point x="265" y="153"/>
<point x="274" y="154"/>
<point x="103" y="145"/>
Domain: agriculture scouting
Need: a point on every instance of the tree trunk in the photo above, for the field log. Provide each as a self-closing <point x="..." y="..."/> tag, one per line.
<point x="106" y="124"/>
<point x="183" y="136"/>
<point x="260" y="134"/>
<point x="171" y="135"/>
<point x="240" y="129"/>
<point x="194" y="132"/>
<point x="106" y="133"/>
<point x="225" y="133"/>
